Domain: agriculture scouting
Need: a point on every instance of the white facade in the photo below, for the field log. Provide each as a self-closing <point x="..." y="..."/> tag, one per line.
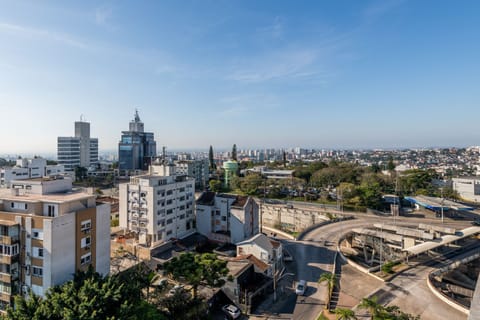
<point x="78" y="151"/>
<point x="158" y="206"/>
<point x="267" y="250"/>
<point x="28" y="168"/>
<point x="227" y="218"/>
<point x="468" y="188"/>
<point x="197" y="169"/>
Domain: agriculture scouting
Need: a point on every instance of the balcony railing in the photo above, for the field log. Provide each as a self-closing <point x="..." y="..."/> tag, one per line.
<point x="9" y="240"/>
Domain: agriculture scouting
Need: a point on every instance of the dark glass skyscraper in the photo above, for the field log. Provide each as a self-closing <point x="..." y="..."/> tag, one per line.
<point x="136" y="148"/>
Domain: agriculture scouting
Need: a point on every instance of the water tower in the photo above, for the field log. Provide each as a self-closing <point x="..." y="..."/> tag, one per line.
<point x="231" y="168"/>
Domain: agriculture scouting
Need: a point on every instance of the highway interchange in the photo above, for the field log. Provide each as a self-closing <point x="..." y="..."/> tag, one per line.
<point x="315" y="254"/>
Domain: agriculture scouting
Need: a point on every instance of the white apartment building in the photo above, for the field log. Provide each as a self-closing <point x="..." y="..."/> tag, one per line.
<point x="227" y="218"/>
<point x="47" y="233"/>
<point x="28" y="168"/>
<point x="158" y="206"/>
<point x="468" y="188"/>
<point x="78" y="151"/>
<point x="197" y="169"/>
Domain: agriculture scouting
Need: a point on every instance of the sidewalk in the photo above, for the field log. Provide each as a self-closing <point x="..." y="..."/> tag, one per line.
<point x="268" y="309"/>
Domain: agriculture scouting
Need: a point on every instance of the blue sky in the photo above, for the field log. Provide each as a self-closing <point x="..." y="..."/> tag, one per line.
<point x="332" y="74"/>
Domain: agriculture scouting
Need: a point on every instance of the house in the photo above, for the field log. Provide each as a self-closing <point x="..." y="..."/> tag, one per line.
<point x="265" y="249"/>
<point x="226" y="217"/>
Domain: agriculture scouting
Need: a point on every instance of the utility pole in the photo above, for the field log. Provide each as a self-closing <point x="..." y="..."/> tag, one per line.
<point x="441" y="190"/>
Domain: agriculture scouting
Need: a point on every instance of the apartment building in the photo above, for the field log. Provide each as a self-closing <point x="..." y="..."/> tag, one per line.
<point x="226" y="217"/>
<point x="158" y="206"/>
<point x="47" y="233"/>
<point x="78" y="151"/>
<point x="197" y="169"/>
<point x="28" y="168"/>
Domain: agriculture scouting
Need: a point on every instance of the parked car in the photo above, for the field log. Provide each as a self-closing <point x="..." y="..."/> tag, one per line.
<point x="232" y="311"/>
<point x="301" y="287"/>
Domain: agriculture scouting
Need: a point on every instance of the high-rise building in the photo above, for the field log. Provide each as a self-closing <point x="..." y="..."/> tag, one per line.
<point x="159" y="205"/>
<point x="197" y="169"/>
<point x="136" y="148"/>
<point x="78" y="151"/>
<point x="48" y="232"/>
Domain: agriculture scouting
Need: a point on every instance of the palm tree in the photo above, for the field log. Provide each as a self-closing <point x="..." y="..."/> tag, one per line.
<point x="345" y="314"/>
<point x="373" y="307"/>
<point x="331" y="280"/>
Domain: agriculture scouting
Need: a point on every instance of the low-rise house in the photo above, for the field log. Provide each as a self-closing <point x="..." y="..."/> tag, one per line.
<point x="266" y="250"/>
<point x="227" y="218"/>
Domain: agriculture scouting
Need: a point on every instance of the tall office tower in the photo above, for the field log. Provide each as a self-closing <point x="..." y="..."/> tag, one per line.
<point x="158" y="206"/>
<point x="78" y="151"/>
<point x="136" y="147"/>
<point x="48" y="232"/>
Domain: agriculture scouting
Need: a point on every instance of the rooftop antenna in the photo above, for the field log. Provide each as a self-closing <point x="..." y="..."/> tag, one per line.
<point x="137" y="117"/>
<point x="82" y="118"/>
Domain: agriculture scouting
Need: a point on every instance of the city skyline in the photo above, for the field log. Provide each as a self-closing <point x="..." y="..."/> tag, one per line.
<point x="334" y="75"/>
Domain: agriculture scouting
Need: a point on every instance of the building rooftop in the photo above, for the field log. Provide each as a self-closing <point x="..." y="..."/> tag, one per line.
<point x="240" y="201"/>
<point x="237" y="267"/>
<point x="206" y="198"/>
<point x="262" y="266"/>
<point x="6" y="194"/>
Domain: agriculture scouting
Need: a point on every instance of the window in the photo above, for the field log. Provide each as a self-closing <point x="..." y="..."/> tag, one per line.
<point x="169" y="211"/>
<point x="182" y="216"/>
<point x="37" y="234"/>
<point x="85" y="242"/>
<point x="224" y="218"/>
<point x="169" y="221"/>
<point x="37" y="271"/>
<point x="169" y="192"/>
<point x="169" y="201"/>
<point x="86" y="225"/>
<point x="169" y="232"/>
<point x="37" y="252"/>
<point x="51" y="210"/>
<point x="85" y="259"/>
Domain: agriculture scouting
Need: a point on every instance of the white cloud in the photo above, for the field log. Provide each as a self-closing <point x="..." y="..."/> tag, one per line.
<point x="63" y="38"/>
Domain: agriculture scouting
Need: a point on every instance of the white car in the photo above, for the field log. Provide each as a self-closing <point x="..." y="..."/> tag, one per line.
<point x="232" y="311"/>
<point x="301" y="287"/>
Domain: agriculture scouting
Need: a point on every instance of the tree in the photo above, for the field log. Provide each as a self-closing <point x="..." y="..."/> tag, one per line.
<point x="284" y="159"/>
<point x="345" y="314"/>
<point x="234" y="152"/>
<point x="211" y="160"/>
<point x="331" y="280"/>
<point x="251" y="183"/>
<point x="80" y="173"/>
<point x="373" y="307"/>
<point x="87" y="296"/>
<point x="197" y="269"/>
<point x="390" y="164"/>
<point x="215" y="185"/>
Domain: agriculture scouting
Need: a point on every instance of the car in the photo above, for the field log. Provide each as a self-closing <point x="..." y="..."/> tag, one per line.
<point x="232" y="311"/>
<point x="476" y="222"/>
<point x="301" y="287"/>
<point x="175" y="289"/>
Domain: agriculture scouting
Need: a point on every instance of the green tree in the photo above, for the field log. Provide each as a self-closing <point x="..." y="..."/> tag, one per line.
<point x="344" y="314"/>
<point x="234" y="152"/>
<point x="331" y="280"/>
<point x="373" y="307"/>
<point x="197" y="269"/>
<point x="211" y="160"/>
<point x="251" y="183"/>
<point x="87" y="296"/>
<point x="80" y="173"/>
<point x="390" y="164"/>
<point x="284" y="159"/>
<point x="215" y="185"/>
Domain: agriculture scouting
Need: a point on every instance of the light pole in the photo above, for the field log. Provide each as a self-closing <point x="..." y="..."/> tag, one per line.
<point x="441" y="190"/>
<point x="275" y="283"/>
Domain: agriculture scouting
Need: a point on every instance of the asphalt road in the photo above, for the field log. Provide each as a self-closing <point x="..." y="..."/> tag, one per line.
<point x="315" y="255"/>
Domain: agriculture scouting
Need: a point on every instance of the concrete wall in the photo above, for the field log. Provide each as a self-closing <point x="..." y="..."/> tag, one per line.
<point x="102" y="238"/>
<point x="59" y="244"/>
<point x="292" y="218"/>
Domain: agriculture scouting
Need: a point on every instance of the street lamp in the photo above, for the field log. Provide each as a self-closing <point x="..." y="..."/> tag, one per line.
<point x="275" y="283"/>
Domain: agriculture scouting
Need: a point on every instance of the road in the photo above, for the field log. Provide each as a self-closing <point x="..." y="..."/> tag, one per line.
<point x="315" y="255"/>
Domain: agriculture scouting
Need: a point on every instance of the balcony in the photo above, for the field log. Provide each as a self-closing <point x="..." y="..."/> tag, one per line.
<point x="6" y="259"/>
<point x="8" y="240"/>
<point x="143" y="220"/>
<point x="5" y="277"/>
<point x="5" y="297"/>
